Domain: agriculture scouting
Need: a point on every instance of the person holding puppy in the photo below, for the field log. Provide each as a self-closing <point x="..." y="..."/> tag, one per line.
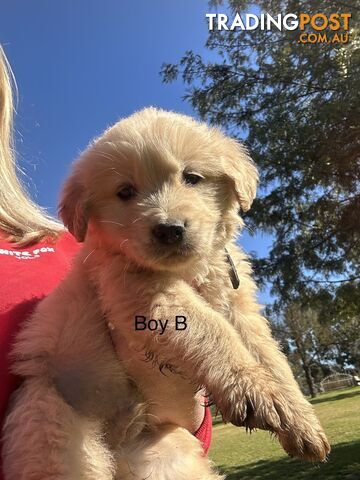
<point x="35" y="254"/>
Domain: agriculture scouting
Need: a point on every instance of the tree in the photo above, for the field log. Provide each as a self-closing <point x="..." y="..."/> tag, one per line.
<point x="316" y="344"/>
<point x="297" y="107"/>
<point x="305" y="342"/>
<point x="339" y="314"/>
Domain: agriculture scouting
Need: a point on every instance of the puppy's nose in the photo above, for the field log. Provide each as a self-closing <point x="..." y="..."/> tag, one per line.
<point x="169" y="233"/>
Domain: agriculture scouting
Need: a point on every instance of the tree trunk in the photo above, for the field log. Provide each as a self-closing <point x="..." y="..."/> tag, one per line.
<point x="302" y="352"/>
<point x="309" y="381"/>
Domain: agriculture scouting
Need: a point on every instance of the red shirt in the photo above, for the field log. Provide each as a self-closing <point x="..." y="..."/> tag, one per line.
<point x="27" y="275"/>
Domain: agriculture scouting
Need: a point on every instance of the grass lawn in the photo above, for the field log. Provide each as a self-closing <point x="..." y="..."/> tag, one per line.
<point x="257" y="456"/>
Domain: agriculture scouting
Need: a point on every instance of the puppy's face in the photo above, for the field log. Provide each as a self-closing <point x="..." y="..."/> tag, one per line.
<point x="160" y="188"/>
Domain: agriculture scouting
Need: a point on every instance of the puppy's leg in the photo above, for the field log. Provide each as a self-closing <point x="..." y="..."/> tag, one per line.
<point x="301" y="433"/>
<point x="169" y="453"/>
<point x="45" y="439"/>
<point x="210" y="353"/>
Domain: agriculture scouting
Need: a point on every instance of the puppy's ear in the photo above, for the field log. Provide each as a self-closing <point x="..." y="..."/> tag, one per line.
<point x="72" y="207"/>
<point x="241" y="170"/>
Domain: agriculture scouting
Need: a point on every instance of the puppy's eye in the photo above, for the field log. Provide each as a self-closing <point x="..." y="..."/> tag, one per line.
<point x="192" y="178"/>
<point x="126" y="192"/>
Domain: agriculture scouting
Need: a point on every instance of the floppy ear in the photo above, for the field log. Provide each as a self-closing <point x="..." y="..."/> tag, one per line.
<point x="240" y="168"/>
<point x="72" y="208"/>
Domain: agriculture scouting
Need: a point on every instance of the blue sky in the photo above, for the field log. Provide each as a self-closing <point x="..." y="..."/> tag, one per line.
<point x="81" y="65"/>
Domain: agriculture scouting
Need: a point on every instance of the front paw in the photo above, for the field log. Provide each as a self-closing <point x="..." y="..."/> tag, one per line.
<point x="249" y="399"/>
<point x="252" y="399"/>
<point x="305" y="438"/>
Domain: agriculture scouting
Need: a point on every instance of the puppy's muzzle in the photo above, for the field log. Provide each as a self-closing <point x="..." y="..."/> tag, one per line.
<point x="169" y="233"/>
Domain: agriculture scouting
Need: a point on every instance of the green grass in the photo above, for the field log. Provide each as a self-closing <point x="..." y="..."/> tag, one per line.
<point x="257" y="456"/>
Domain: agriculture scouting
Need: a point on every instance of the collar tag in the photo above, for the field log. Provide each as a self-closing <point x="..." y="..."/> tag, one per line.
<point x="234" y="277"/>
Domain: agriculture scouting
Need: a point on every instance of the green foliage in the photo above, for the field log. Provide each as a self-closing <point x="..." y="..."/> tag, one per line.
<point x="317" y="342"/>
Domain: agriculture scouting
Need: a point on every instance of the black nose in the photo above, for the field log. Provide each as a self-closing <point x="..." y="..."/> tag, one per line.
<point x="169" y="233"/>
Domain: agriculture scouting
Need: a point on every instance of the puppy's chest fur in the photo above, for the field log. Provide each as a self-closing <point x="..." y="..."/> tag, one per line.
<point x="216" y="289"/>
<point x="126" y="295"/>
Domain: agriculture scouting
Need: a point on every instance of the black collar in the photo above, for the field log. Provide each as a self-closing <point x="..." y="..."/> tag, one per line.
<point x="234" y="277"/>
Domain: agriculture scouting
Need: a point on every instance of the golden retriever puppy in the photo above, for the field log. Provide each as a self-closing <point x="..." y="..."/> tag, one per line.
<point x="159" y="303"/>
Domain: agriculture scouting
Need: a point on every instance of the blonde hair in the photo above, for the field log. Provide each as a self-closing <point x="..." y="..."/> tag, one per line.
<point x="21" y="219"/>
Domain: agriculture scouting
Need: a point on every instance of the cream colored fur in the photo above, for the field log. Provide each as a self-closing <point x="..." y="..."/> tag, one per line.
<point x="91" y="406"/>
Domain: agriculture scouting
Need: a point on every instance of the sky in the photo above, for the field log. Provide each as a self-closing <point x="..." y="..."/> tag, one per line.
<point x="81" y="65"/>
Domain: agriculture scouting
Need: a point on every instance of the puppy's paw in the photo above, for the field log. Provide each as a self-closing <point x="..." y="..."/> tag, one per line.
<point x="250" y="400"/>
<point x="305" y="439"/>
<point x="254" y="400"/>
